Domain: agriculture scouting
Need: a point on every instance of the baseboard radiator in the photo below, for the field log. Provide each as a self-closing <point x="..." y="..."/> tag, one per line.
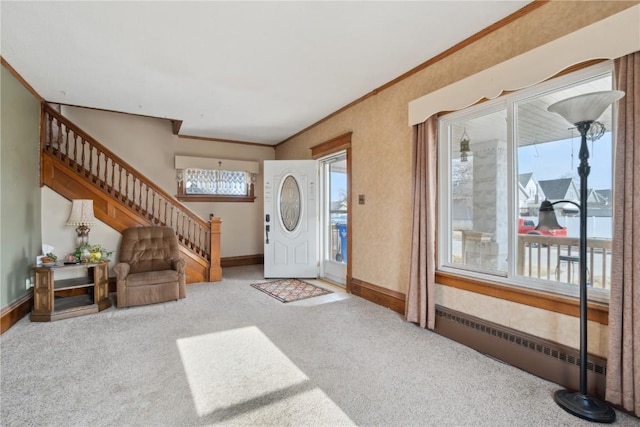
<point x="546" y="359"/>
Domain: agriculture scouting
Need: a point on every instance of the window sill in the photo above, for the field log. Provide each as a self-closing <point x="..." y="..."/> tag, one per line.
<point x="211" y="198"/>
<point x="596" y="312"/>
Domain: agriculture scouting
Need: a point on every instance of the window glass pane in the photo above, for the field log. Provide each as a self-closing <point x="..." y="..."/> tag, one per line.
<point x="227" y="183"/>
<point x="547" y="153"/>
<point x="338" y="209"/>
<point x="290" y="203"/>
<point x="479" y="192"/>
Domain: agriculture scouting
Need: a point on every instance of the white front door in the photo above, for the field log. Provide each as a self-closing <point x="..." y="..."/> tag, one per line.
<point x="290" y="219"/>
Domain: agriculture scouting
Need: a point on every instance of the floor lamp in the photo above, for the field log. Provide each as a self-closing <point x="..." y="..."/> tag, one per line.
<point x="581" y="111"/>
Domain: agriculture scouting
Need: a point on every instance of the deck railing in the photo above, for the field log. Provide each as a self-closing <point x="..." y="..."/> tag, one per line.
<point x="557" y="258"/>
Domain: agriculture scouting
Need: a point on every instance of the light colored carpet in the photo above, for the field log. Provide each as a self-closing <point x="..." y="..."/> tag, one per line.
<point x="228" y="355"/>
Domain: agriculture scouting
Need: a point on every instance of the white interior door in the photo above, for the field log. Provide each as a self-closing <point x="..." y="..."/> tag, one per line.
<point x="290" y="219"/>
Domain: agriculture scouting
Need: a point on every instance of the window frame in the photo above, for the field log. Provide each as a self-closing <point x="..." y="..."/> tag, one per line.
<point x="469" y="278"/>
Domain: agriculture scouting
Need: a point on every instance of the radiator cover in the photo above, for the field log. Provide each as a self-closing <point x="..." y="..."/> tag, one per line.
<point x="546" y="359"/>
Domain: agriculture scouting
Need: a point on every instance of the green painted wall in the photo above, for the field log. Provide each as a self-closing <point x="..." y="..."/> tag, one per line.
<point x="20" y="225"/>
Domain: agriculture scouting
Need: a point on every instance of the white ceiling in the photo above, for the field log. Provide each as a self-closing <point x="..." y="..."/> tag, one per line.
<point x="246" y="71"/>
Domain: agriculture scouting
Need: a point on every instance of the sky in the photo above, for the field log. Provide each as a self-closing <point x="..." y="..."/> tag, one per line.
<point x="338" y="185"/>
<point x="553" y="160"/>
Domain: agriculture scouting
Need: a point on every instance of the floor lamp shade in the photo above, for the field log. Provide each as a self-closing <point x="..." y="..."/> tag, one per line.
<point x="587" y="107"/>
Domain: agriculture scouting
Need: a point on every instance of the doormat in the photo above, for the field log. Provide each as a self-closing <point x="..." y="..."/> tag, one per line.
<point x="287" y="290"/>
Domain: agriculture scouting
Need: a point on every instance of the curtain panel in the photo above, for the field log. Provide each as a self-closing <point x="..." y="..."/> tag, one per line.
<point x="623" y="361"/>
<point x="420" y="300"/>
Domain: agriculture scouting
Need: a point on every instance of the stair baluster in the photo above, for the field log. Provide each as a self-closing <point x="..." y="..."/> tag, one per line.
<point x="99" y="179"/>
<point x="84" y="156"/>
<point x="66" y="146"/>
<point x="75" y="149"/>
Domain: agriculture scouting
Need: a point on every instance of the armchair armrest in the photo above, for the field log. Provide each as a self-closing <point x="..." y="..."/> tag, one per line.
<point x="178" y="265"/>
<point x="122" y="270"/>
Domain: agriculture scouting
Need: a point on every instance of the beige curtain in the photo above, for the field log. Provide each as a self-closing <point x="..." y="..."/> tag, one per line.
<point x="623" y="366"/>
<point x="420" y="304"/>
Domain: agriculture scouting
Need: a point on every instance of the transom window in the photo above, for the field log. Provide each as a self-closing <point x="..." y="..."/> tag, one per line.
<point x="215" y="182"/>
<point x="215" y="185"/>
<point x="499" y="160"/>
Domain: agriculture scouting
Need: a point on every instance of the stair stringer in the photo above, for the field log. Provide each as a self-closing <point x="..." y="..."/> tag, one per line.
<point x="71" y="184"/>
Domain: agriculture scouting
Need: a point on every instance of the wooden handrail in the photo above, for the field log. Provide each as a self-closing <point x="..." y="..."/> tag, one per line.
<point x="49" y="110"/>
<point x="64" y="140"/>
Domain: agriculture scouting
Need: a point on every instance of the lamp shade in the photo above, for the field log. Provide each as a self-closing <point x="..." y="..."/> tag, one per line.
<point x="587" y="107"/>
<point x="81" y="213"/>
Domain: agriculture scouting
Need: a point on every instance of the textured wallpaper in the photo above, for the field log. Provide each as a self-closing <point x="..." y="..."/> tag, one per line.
<point x="381" y="141"/>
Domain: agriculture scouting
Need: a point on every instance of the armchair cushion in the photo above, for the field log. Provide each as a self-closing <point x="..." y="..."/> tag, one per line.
<point x="149" y="248"/>
<point x="152" y="278"/>
<point x="150" y="268"/>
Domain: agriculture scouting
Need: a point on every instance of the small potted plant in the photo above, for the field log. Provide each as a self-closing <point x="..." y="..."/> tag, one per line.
<point x="92" y="253"/>
<point x="49" y="259"/>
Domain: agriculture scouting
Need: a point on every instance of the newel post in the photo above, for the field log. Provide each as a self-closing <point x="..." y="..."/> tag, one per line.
<point x="215" y="270"/>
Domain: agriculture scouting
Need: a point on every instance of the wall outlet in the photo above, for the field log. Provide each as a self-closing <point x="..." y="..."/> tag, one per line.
<point x="28" y="283"/>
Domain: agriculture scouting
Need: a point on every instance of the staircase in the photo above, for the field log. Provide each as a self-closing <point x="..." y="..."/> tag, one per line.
<point x="78" y="167"/>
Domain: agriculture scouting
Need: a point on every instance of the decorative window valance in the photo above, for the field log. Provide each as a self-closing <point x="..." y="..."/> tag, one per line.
<point x="186" y="162"/>
<point x="609" y="38"/>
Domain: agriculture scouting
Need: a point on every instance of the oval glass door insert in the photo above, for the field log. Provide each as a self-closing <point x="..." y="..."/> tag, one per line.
<point x="290" y="203"/>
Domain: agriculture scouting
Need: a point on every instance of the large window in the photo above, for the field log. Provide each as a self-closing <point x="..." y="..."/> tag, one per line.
<point x="500" y="160"/>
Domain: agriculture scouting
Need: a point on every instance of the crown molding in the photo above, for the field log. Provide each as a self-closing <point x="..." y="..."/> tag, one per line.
<point x="609" y="38"/>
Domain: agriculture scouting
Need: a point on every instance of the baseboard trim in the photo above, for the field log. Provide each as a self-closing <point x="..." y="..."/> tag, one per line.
<point x="15" y="311"/>
<point x="378" y="295"/>
<point x="545" y="359"/>
<point x="236" y="261"/>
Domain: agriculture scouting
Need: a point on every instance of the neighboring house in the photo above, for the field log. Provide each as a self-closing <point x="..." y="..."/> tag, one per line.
<point x="604" y="197"/>
<point x="562" y="189"/>
<point x="530" y="194"/>
<point x="340" y="205"/>
<point x="599" y="203"/>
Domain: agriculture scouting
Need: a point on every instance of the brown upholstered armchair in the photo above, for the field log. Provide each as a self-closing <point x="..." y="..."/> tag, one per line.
<point x="150" y="268"/>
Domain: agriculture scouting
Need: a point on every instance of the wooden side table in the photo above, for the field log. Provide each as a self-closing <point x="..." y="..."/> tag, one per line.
<point x="46" y="307"/>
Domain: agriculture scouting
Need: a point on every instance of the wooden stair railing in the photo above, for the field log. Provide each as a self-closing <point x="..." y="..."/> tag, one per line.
<point x="70" y="146"/>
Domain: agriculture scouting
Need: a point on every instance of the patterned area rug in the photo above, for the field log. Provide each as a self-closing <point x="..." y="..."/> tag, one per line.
<point x="287" y="290"/>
